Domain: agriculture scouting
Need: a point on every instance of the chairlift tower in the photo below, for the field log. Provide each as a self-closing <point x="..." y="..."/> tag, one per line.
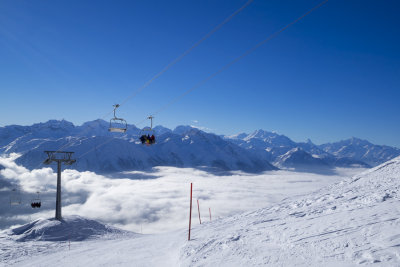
<point x="59" y="157"/>
<point x="151" y="117"/>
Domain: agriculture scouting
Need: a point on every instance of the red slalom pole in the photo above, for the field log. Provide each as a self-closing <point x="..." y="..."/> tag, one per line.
<point x="190" y="213"/>
<point x="198" y="209"/>
<point x="209" y="209"/>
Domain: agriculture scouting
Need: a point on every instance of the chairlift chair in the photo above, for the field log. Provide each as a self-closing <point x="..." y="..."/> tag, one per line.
<point x="36" y="202"/>
<point x="118" y="125"/>
<point x="15" y="197"/>
<point x="148" y="131"/>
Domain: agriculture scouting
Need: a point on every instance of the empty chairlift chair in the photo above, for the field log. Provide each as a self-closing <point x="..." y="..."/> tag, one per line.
<point x="118" y="125"/>
<point x="15" y="197"/>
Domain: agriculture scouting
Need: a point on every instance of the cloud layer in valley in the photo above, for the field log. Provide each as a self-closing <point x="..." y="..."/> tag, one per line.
<point x="150" y="202"/>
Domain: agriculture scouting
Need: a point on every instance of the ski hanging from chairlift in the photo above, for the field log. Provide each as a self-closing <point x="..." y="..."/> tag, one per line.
<point x="147" y="134"/>
<point x="118" y="125"/>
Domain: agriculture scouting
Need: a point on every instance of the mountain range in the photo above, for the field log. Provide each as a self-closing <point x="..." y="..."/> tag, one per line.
<point x="285" y="153"/>
<point x="96" y="149"/>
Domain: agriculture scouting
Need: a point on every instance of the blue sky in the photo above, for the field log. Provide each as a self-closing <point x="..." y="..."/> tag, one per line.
<point x="333" y="75"/>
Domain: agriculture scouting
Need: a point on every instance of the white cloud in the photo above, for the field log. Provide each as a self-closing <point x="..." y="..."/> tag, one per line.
<point x="162" y="203"/>
<point x="29" y="181"/>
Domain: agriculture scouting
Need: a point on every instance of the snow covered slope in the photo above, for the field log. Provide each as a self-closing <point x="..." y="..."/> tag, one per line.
<point x="71" y="228"/>
<point x="355" y="221"/>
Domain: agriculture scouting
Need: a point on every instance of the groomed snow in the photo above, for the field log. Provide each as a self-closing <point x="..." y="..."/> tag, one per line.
<point x="355" y="221"/>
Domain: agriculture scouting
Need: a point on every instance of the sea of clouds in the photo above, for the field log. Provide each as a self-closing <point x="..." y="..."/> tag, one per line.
<point x="150" y="202"/>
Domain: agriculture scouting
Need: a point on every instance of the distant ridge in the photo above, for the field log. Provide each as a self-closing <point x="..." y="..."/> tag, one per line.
<point x="361" y="150"/>
<point x="347" y="153"/>
<point x="100" y="151"/>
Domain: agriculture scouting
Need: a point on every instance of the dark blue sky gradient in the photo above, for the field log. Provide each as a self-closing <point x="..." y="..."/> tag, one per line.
<point x="333" y="75"/>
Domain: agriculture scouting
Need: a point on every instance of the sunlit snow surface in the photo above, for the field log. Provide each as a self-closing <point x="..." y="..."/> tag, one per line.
<point x="356" y="221"/>
<point x="347" y="222"/>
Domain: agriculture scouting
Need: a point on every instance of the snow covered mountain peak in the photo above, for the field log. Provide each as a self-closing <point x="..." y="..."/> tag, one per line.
<point x="357" y="141"/>
<point x="299" y="152"/>
<point x="271" y="138"/>
<point x="260" y="133"/>
<point x="299" y="159"/>
<point x="96" y="123"/>
<point x="361" y="150"/>
<point x="160" y="130"/>
<point x="237" y="136"/>
<point x="182" y="129"/>
<point x="53" y="125"/>
<point x="184" y="146"/>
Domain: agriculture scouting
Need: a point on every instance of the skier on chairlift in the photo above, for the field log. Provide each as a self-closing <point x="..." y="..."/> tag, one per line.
<point x="36" y="202"/>
<point x="143" y="139"/>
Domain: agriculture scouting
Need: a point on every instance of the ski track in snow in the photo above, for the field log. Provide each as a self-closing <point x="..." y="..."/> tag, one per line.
<point x="353" y="222"/>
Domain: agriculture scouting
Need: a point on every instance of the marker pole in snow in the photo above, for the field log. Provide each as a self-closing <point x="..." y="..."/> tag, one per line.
<point x="198" y="209"/>
<point x="190" y="213"/>
<point x="59" y="157"/>
<point x="209" y="209"/>
<point x="58" y="197"/>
